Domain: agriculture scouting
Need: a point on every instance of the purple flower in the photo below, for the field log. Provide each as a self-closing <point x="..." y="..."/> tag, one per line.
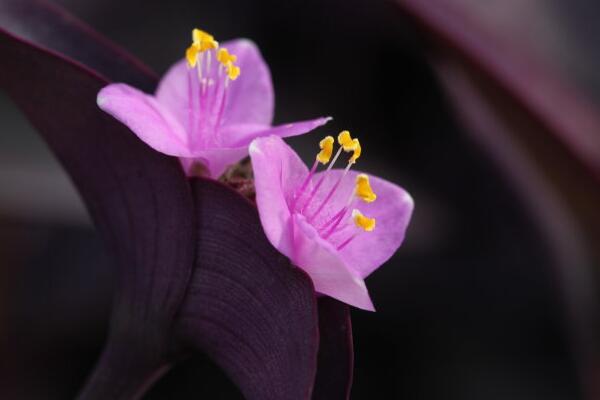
<point x="207" y="108"/>
<point x="337" y="225"/>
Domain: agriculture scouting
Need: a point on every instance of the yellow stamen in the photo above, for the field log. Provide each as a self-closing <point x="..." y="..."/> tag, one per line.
<point x="225" y="58"/>
<point x="363" y="189"/>
<point x="233" y="71"/>
<point x="357" y="150"/>
<point x="191" y="54"/>
<point x="326" y="146"/>
<point x="346" y="141"/>
<point x="366" y="223"/>
<point x="203" y="40"/>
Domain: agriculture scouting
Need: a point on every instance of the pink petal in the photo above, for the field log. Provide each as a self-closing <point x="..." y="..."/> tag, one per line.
<point x="250" y="98"/>
<point x="149" y="120"/>
<point x="243" y="134"/>
<point x="328" y="271"/>
<point x="215" y="160"/>
<point x="277" y="172"/>
<point x="392" y="210"/>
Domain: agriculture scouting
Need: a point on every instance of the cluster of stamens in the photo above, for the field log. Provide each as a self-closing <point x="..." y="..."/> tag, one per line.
<point x="302" y="202"/>
<point x="210" y="97"/>
<point x="203" y="45"/>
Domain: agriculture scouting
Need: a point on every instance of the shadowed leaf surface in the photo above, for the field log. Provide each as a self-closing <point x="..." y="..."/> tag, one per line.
<point x="247" y="307"/>
<point x="336" y="355"/>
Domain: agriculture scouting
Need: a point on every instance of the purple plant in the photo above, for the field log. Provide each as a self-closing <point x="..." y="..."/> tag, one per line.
<point x="195" y="270"/>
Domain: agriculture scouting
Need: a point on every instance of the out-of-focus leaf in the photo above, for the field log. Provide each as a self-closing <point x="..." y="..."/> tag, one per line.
<point x="49" y="26"/>
<point x="556" y="106"/>
<point x="336" y="353"/>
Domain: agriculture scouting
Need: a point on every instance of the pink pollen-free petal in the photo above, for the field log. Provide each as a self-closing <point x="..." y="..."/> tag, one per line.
<point x="278" y="171"/>
<point x="148" y="119"/>
<point x="243" y="134"/>
<point x="392" y="210"/>
<point x="250" y="97"/>
<point x="328" y="271"/>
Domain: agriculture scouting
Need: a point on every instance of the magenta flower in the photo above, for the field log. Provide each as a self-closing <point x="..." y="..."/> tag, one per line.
<point x="314" y="218"/>
<point x="207" y="108"/>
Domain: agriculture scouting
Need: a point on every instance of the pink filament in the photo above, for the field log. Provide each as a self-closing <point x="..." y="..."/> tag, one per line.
<point x="300" y="191"/>
<point x="345" y="242"/>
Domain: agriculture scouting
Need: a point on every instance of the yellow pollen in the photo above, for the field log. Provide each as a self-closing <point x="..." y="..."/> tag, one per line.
<point x="225" y="58"/>
<point x="233" y="71"/>
<point x="363" y="189"/>
<point x="366" y="223"/>
<point x="345" y="140"/>
<point x="357" y="150"/>
<point x="191" y="54"/>
<point x="203" y="40"/>
<point x="326" y="146"/>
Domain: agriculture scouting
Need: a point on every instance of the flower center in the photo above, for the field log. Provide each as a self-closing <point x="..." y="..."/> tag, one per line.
<point x="313" y="200"/>
<point x="208" y="82"/>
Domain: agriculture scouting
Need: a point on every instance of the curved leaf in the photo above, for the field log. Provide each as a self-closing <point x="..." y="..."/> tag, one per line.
<point x="336" y="354"/>
<point x="247" y="308"/>
<point x="49" y="26"/>
<point x="138" y="198"/>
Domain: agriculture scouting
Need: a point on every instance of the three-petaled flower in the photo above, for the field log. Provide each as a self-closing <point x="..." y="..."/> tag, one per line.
<point x="314" y="218"/>
<point x="207" y="108"/>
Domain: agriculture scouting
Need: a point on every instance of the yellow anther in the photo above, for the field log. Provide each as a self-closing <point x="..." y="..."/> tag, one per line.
<point x="357" y="150"/>
<point x="345" y="140"/>
<point x="203" y="40"/>
<point x="363" y="189"/>
<point x="191" y="54"/>
<point x="366" y="223"/>
<point x="233" y="71"/>
<point x="326" y="146"/>
<point x="225" y="58"/>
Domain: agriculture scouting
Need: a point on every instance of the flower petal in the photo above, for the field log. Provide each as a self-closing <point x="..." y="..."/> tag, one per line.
<point x="250" y="98"/>
<point x="323" y="263"/>
<point x="277" y="172"/>
<point x="392" y="210"/>
<point x="243" y="134"/>
<point x="150" y="121"/>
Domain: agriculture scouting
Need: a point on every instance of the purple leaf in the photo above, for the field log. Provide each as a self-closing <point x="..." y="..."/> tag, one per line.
<point x="247" y="307"/>
<point x="46" y="25"/>
<point x="560" y="111"/>
<point x="138" y="198"/>
<point x="336" y="354"/>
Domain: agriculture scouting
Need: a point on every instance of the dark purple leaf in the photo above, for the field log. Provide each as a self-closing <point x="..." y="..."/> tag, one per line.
<point x="138" y="198"/>
<point x="563" y="114"/>
<point x="247" y="307"/>
<point x="336" y="353"/>
<point x="49" y="26"/>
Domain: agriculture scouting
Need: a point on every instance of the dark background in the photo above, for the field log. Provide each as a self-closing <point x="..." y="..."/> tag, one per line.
<point x="470" y="307"/>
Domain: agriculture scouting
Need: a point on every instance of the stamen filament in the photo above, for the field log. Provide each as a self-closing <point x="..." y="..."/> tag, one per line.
<point x="345" y="242"/>
<point x="331" y="192"/>
<point x="300" y="191"/>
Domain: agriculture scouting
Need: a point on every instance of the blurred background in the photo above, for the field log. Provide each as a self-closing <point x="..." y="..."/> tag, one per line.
<point x="485" y="111"/>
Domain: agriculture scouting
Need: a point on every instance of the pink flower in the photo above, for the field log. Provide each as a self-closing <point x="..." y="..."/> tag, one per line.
<point x="207" y="108"/>
<point x="314" y="218"/>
